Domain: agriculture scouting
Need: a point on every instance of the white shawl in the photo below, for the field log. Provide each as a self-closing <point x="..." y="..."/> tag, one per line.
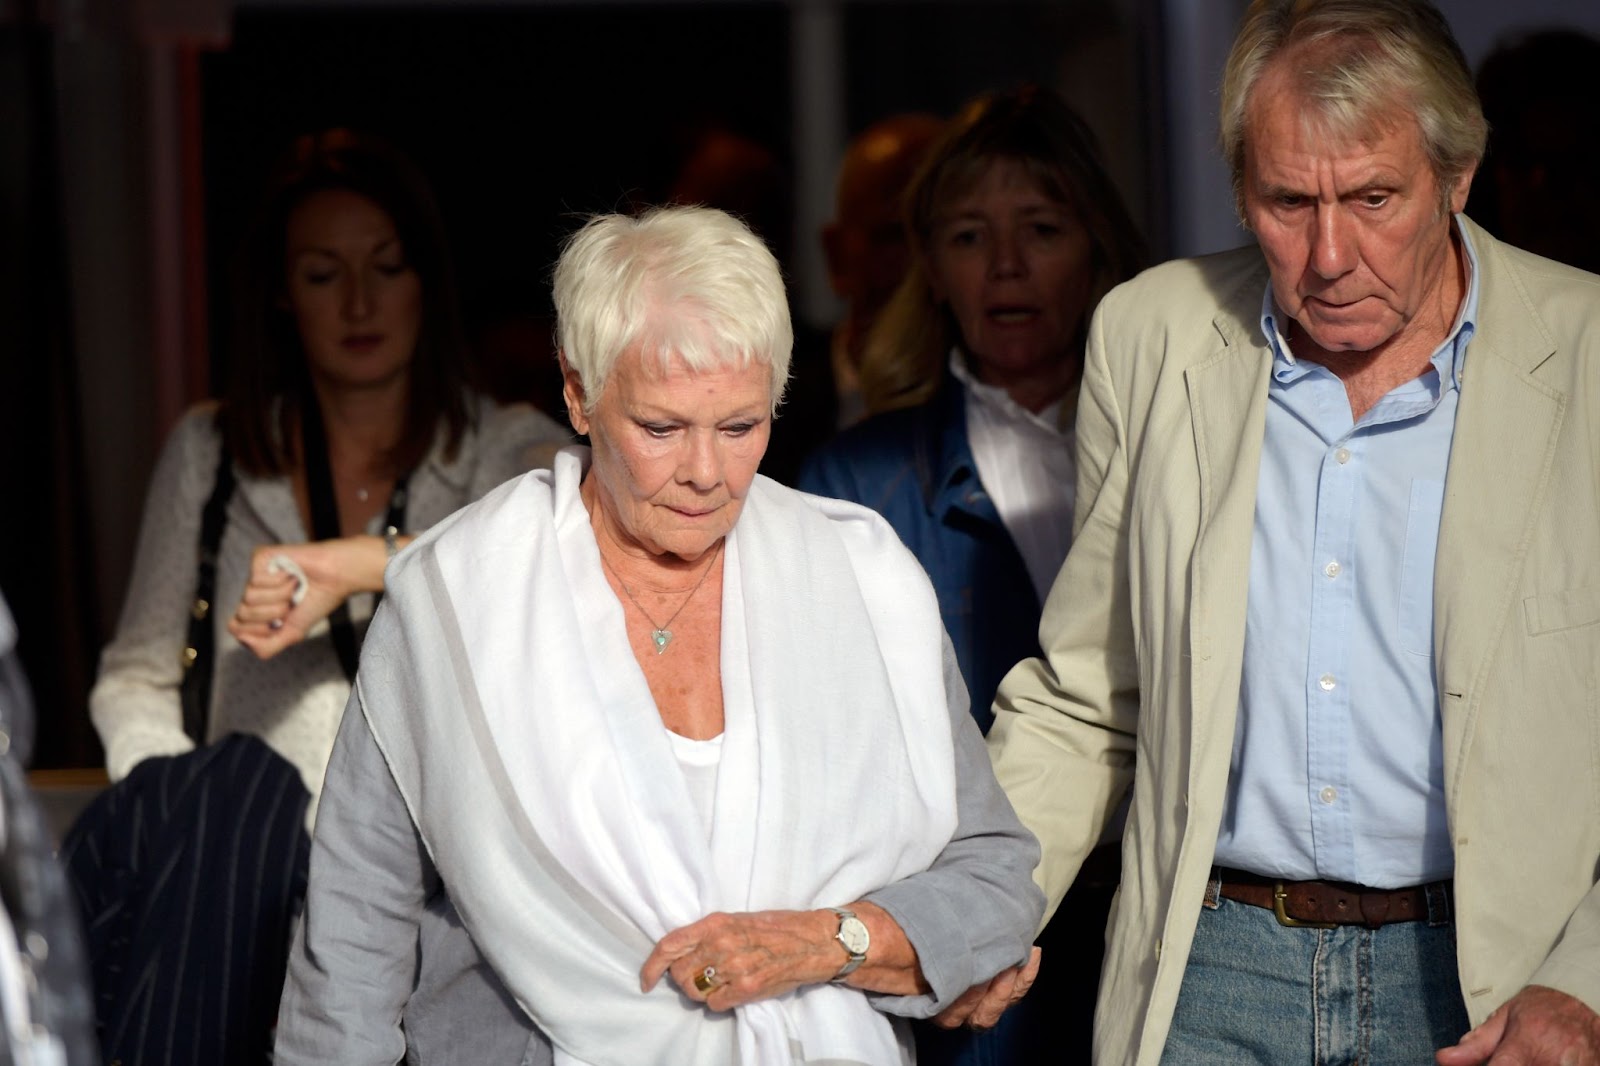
<point x="500" y="685"/>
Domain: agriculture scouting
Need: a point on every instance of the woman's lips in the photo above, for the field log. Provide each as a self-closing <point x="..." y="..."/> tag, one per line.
<point x="361" y="342"/>
<point x="1012" y="316"/>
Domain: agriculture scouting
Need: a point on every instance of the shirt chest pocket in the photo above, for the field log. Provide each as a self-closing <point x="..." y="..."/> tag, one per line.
<point x="1416" y="566"/>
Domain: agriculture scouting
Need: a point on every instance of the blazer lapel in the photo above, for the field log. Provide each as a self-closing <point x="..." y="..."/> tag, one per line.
<point x="1500" y="458"/>
<point x="1227" y="407"/>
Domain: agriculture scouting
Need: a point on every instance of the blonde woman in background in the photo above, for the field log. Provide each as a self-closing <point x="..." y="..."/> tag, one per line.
<point x="1016" y="232"/>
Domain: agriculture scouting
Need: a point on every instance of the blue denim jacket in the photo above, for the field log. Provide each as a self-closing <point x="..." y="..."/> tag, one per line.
<point x="915" y="467"/>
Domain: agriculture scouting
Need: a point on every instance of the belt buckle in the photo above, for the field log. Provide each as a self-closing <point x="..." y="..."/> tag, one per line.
<point x="1279" y="896"/>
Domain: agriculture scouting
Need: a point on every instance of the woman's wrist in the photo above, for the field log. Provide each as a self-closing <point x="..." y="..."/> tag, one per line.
<point x="891" y="964"/>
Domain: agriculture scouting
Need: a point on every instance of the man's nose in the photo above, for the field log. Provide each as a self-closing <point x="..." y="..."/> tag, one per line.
<point x="1333" y="243"/>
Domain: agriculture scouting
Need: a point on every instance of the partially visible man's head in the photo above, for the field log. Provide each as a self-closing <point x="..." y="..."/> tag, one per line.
<point x="1358" y="66"/>
<point x="1353" y="131"/>
<point x="865" y="243"/>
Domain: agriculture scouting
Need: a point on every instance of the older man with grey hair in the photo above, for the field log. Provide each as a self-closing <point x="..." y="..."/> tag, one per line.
<point x="1332" y="609"/>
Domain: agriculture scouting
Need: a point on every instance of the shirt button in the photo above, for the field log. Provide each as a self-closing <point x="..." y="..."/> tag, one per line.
<point x="1327" y="682"/>
<point x="1332" y="569"/>
<point x="1342" y="455"/>
<point x="1328" y="795"/>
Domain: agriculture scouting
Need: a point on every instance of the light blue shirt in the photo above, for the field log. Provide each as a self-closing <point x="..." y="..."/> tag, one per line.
<point x="1338" y="767"/>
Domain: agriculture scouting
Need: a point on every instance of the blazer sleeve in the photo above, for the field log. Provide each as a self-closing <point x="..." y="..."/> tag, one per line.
<point x="354" y="960"/>
<point x="135" y="704"/>
<point x="1063" y="736"/>
<point x="1573" y="966"/>
<point x="974" y="911"/>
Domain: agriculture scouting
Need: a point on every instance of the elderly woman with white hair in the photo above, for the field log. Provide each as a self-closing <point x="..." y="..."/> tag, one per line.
<point x="651" y="759"/>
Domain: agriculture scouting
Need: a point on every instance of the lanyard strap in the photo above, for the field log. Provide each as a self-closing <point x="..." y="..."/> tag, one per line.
<point x="325" y="521"/>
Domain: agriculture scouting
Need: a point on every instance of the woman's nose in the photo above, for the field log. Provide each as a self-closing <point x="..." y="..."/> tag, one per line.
<point x="702" y="465"/>
<point x="1006" y="257"/>
<point x="357" y="298"/>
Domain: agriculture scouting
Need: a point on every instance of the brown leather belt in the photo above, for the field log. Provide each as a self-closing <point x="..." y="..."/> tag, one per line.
<point x="1326" y="904"/>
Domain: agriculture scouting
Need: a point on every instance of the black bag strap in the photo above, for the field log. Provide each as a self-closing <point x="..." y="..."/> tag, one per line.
<point x="199" y="651"/>
<point x="325" y="523"/>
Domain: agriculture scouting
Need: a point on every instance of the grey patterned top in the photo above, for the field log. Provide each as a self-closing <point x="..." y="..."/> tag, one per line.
<point x="294" y="700"/>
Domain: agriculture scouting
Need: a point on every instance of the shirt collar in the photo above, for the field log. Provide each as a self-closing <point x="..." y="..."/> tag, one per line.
<point x="1447" y="358"/>
<point x="999" y="400"/>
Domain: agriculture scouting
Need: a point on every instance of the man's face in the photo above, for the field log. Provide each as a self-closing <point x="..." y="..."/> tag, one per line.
<point x="1352" y="229"/>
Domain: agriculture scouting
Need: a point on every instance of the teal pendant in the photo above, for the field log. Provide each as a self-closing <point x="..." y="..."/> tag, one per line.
<point x="660" y="637"/>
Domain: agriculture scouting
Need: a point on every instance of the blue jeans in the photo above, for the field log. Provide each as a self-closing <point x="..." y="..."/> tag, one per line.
<point x="1255" y="991"/>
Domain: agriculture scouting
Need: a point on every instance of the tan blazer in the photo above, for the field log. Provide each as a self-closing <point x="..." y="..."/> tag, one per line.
<point x="1144" y="630"/>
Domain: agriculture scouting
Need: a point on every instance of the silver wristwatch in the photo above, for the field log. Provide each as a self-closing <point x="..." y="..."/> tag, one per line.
<point x="854" y="938"/>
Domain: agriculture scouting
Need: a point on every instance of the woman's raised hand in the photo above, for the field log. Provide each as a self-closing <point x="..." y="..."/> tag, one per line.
<point x="270" y="616"/>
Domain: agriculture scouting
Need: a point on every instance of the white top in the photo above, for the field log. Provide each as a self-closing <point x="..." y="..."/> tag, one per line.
<point x="1026" y="464"/>
<point x="699" y="760"/>
<point x="294" y="700"/>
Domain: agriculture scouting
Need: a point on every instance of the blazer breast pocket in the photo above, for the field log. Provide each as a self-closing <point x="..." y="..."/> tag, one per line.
<point x="1553" y="612"/>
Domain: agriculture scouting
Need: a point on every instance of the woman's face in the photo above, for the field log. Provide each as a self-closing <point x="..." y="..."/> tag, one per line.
<point x="675" y="451"/>
<point x="1015" y="267"/>
<point x="355" y="298"/>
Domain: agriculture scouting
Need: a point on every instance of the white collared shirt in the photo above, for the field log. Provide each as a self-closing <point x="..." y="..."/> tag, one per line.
<point x="1026" y="463"/>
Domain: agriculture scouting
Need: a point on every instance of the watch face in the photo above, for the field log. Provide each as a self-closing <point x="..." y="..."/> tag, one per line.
<point x="853" y="935"/>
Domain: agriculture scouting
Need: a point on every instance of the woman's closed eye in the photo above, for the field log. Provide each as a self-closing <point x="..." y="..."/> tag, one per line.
<point x="964" y="237"/>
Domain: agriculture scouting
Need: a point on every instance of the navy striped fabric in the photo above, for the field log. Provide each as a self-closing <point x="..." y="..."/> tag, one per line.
<point x="189" y="873"/>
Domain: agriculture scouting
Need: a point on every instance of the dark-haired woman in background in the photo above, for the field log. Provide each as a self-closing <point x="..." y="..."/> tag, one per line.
<point x="348" y="426"/>
<point x="347" y="408"/>
<point x="972" y="371"/>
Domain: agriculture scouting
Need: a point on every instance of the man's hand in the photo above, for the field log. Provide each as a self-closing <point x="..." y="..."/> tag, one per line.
<point x="981" y="1005"/>
<point x="1538" y="1026"/>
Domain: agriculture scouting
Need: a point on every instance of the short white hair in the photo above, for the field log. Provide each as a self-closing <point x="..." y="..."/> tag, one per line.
<point x="692" y="283"/>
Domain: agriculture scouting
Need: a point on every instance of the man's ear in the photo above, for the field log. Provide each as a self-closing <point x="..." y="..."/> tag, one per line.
<point x="572" y="392"/>
<point x="1460" y="188"/>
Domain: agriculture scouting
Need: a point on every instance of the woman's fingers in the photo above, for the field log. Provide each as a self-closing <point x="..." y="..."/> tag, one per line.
<point x="751" y="956"/>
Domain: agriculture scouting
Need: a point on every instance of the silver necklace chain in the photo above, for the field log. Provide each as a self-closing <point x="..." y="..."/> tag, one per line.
<point x="660" y="635"/>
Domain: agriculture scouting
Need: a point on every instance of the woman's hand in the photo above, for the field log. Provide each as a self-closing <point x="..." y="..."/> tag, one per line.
<point x="980" y="1006"/>
<point x="267" y="620"/>
<point x="762" y="954"/>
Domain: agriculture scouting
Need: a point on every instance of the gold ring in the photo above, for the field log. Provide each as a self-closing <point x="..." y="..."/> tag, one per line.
<point x="705" y="980"/>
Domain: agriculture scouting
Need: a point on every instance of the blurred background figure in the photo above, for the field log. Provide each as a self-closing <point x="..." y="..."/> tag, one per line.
<point x="1016" y="232"/>
<point x="347" y="427"/>
<point x="46" y="1017"/>
<point x="1539" y="185"/>
<point x="865" y="243"/>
